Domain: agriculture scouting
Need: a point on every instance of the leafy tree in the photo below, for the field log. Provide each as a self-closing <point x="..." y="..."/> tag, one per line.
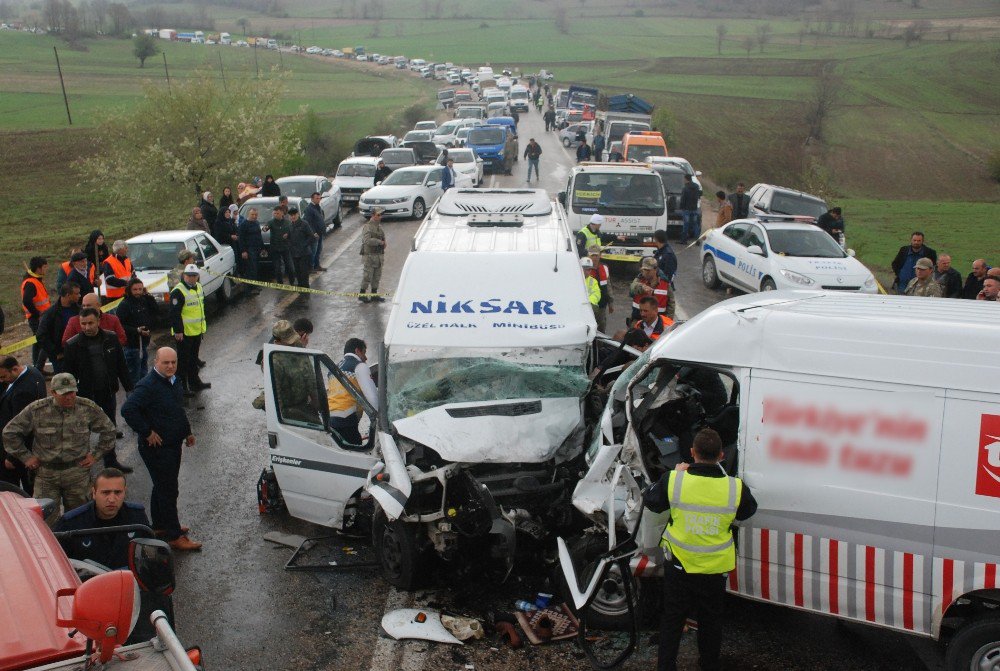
<point x="144" y="46"/>
<point x="763" y="35"/>
<point x="156" y="156"/>
<point x="665" y="122"/>
<point x="720" y="34"/>
<point x="748" y="44"/>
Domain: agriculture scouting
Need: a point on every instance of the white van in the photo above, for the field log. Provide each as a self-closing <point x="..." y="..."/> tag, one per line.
<point x="520" y="98"/>
<point x="631" y="198"/>
<point x="417" y="63"/>
<point x="868" y="429"/>
<point x="478" y="438"/>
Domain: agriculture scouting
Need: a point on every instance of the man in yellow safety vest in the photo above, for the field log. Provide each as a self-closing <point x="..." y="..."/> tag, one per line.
<point x="703" y="502"/>
<point x="187" y="324"/>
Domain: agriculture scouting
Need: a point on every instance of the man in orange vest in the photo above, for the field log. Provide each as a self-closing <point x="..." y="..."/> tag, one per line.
<point x="35" y="301"/>
<point x="649" y="283"/>
<point x="117" y="271"/>
<point x="650" y="321"/>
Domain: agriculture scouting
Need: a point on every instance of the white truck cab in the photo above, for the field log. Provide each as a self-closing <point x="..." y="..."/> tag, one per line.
<point x="873" y="453"/>
<point x="630" y="196"/>
<point x="482" y="377"/>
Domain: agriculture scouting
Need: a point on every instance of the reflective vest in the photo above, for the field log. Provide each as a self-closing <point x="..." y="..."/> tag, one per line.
<point x="340" y="401"/>
<point x="661" y="292"/>
<point x="702" y="509"/>
<point x="590" y="238"/>
<point x="122" y="271"/>
<point x="41" y="300"/>
<point x="593" y="290"/>
<point x="658" y="328"/>
<point x="193" y="312"/>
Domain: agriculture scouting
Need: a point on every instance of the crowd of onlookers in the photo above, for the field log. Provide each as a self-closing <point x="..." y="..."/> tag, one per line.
<point x="919" y="271"/>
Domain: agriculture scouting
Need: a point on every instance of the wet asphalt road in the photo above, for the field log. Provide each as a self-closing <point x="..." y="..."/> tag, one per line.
<point x="235" y="600"/>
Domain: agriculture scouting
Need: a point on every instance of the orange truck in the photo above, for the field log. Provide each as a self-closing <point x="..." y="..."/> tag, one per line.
<point x="51" y="620"/>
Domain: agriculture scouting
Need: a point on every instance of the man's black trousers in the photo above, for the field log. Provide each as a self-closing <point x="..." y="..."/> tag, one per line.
<point x="701" y="596"/>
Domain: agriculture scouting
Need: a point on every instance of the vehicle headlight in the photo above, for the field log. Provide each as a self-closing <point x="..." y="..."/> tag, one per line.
<point x="797" y="278"/>
<point x="870" y="282"/>
<point x="398" y="200"/>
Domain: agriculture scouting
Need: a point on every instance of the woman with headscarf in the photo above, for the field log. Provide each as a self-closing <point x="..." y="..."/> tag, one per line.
<point x="197" y="221"/>
<point x="208" y="210"/>
<point x="96" y="249"/>
<point x="226" y="200"/>
<point x="270" y="188"/>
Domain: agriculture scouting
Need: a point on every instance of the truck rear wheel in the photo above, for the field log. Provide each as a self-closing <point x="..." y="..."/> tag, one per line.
<point x="400" y="555"/>
<point x="976" y="646"/>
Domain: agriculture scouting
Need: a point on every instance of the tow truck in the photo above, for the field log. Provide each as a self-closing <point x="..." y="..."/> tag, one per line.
<point x="52" y="621"/>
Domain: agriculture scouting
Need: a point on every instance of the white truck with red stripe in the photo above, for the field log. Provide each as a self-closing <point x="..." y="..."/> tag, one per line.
<point x="868" y="429"/>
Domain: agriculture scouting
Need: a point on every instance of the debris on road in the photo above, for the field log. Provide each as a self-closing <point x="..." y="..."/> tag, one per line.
<point x="463" y="628"/>
<point x="419" y="624"/>
<point x="549" y="624"/>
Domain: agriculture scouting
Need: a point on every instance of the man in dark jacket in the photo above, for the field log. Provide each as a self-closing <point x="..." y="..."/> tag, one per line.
<point x="906" y="259"/>
<point x="740" y="202"/>
<point x="949" y="278"/>
<point x="52" y="323"/>
<point x="688" y="207"/>
<point x="314" y="216"/>
<point x="301" y="247"/>
<point x="96" y="359"/>
<point x="583" y="152"/>
<point x="974" y="282"/>
<point x="137" y="313"/>
<point x="155" y="411"/>
<point x="251" y="245"/>
<point x="381" y="172"/>
<point x="832" y="221"/>
<point x="23" y="385"/>
<point x="83" y="274"/>
<point x="281" y="260"/>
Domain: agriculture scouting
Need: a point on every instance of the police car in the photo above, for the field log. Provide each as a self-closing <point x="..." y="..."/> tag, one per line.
<point x="780" y="252"/>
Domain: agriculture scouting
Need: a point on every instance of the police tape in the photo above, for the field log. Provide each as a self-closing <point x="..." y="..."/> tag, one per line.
<point x="292" y="287"/>
<point x="31" y="340"/>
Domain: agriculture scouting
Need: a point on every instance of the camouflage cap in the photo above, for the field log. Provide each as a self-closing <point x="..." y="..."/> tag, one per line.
<point x="594" y="249"/>
<point x="284" y="333"/>
<point x="184" y="255"/>
<point x="63" y="383"/>
<point x="924" y="263"/>
<point x="648" y="263"/>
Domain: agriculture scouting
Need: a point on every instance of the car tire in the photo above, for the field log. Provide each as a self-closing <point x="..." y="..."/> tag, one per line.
<point x="401" y="558"/>
<point x="768" y="285"/>
<point x="709" y="273"/>
<point x="419" y="209"/>
<point x="225" y="292"/>
<point x="338" y="218"/>
<point x="975" y="646"/>
<point x="566" y="142"/>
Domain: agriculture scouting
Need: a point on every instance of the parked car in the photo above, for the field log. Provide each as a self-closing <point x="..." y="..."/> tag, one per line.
<point x="447" y="133"/>
<point x="355" y="175"/>
<point x="462" y="136"/>
<point x="569" y="134"/>
<point x="429" y="125"/>
<point x="770" y="199"/>
<point x="314" y="50"/>
<point x="265" y="211"/>
<point x="407" y="192"/>
<point x="153" y="255"/>
<point x="419" y="136"/>
<point x="373" y="145"/>
<point x="769" y="252"/>
<point x="303" y="186"/>
<point x="399" y="157"/>
<point x="426" y="151"/>
<point x="466" y="163"/>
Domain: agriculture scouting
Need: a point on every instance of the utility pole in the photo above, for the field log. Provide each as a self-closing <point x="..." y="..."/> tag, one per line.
<point x="165" y="70"/>
<point x="63" y="85"/>
<point x="223" y="70"/>
<point x="281" y="61"/>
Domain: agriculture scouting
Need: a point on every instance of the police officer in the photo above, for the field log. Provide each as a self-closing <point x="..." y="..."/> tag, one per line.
<point x="343" y="407"/>
<point x="703" y="502"/>
<point x="188" y="324"/>
<point x="373" y="251"/>
<point x="108" y="508"/>
<point x="61" y="454"/>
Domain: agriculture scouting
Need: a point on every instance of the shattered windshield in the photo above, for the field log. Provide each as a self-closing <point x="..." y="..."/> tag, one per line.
<point x="416" y="386"/>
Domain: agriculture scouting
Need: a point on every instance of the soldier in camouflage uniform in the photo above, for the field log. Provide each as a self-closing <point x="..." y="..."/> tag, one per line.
<point x="61" y="456"/>
<point x="373" y="251"/>
<point x="184" y="257"/>
<point x="923" y="284"/>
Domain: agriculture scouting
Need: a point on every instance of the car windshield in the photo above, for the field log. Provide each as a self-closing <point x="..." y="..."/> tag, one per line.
<point x="446" y="129"/>
<point x="813" y="243"/>
<point x="154" y="255"/>
<point x="397" y="156"/>
<point x="302" y="188"/>
<point x="425" y="125"/>
<point x="640" y="152"/>
<point x="673" y="181"/>
<point x="469" y="113"/>
<point x="641" y="193"/>
<point x="418" y="136"/>
<point x="486" y="136"/>
<point x="519" y="94"/>
<point x="405" y="178"/>
<point x="619" y="128"/>
<point x="461" y="156"/>
<point x="420" y="385"/>
<point x="791" y="204"/>
<point x="356" y="170"/>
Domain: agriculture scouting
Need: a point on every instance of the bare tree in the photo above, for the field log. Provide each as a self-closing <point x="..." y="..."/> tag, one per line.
<point x="826" y="94"/>
<point x="952" y="31"/>
<point x="915" y="32"/>
<point x="749" y="42"/>
<point x="763" y="35"/>
<point x="720" y="34"/>
<point x="562" y="22"/>
<point x="120" y="18"/>
<point x="244" y="23"/>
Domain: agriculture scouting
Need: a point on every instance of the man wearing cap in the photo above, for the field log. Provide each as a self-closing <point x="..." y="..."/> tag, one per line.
<point x="605" y="305"/>
<point x="373" y="251"/>
<point x="923" y="284"/>
<point x="649" y="283"/>
<point x="155" y="411"/>
<point x="590" y="235"/>
<point x="184" y="257"/>
<point x="83" y="273"/>
<point x="117" y="269"/>
<point x="60" y="454"/>
<point x="187" y="325"/>
<point x="906" y="258"/>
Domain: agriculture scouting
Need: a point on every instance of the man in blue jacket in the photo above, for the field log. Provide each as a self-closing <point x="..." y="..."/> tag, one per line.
<point x="251" y="243"/>
<point x="155" y="411"/>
